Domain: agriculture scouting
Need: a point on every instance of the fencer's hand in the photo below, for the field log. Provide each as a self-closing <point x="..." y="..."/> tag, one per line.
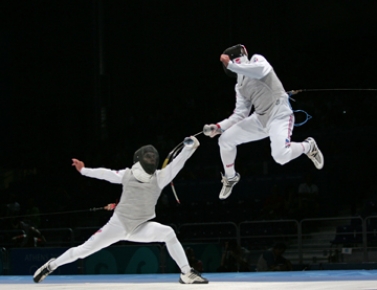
<point x="224" y="58"/>
<point x="211" y="130"/>
<point x="191" y="142"/>
<point x="110" y="206"/>
<point x="78" y="164"/>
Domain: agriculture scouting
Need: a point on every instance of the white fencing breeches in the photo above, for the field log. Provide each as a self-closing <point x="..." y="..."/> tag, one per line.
<point x="114" y="232"/>
<point x="279" y="129"/>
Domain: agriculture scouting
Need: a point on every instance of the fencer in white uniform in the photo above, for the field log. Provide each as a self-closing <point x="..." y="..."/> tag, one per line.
<point x="257" y="88"/>
<point x="142" y="186"/>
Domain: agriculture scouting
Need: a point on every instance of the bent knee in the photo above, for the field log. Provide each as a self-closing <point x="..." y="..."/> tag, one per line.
<point x="281" y="157"/>
<point x="226" y="143"/>
<point x="281" y="161"/>
<point x="168" y="233"/>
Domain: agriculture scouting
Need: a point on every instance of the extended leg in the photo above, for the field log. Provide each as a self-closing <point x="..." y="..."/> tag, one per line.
<point x="109" y="234"/>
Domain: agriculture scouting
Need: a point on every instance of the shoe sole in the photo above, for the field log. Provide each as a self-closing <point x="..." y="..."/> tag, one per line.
<point x="316" y="164"/>
<point x="320" y="166"/>
<point x="195" y="282"/>
<point x="38" y="276"/>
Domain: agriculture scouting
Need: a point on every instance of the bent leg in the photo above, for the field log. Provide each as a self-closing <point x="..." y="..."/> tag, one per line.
<point x="282" y="149"/>
<point x="156" y="232"/>
<point x="112" y="232"/>
<point x="245" y="131"/>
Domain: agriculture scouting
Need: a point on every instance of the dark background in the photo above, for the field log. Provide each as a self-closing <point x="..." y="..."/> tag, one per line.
<point x="95" y="80"/>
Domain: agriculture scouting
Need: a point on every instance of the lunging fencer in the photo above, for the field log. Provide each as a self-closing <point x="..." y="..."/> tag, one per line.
<point x="142" y="186"/>
<point x="258" y="88"/>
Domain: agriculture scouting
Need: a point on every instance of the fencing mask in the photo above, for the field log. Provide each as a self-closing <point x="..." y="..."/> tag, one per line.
<point x="237" y="54"/>
<point x="148" y="158"/>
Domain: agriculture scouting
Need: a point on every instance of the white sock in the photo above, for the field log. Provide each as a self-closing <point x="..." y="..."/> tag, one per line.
<point x="52" y="266"/>
<point x="306" y="146"/>
<point x="185" y="269"/>
<point x="228" y="158"/>
<point x="298" y="148"/>
<point x="230" y="172"/>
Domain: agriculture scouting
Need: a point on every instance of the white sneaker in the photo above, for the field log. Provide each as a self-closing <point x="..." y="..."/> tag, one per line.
<point x="43" y="272"/>
<point x="192" y="277"/>
<point x="228" y="184"/>
<point x="315" y="154"/>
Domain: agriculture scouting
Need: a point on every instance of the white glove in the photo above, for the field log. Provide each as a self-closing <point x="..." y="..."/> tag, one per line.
<point x="191" y="142"/>
<point x="212" y="130"/>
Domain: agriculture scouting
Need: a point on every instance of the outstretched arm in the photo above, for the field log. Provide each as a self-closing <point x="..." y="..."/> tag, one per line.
<point x="241" y="111"/>
<point x="113" y="176"/>
<point x="167" y="174"/>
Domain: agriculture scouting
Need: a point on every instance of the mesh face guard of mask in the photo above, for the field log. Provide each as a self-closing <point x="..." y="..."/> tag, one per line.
<point x="139" y="155"/>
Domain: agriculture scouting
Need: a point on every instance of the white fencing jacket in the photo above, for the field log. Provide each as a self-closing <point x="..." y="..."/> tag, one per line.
<point x="138" y="200"/>
<point x="257" y="86"/>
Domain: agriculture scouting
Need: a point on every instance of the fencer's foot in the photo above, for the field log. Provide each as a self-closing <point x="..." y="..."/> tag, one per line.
<point x="315" y="154"/>
<point x="192" y="277"/>
<point x="228" y="184"/>
<point x="43" y="272"/>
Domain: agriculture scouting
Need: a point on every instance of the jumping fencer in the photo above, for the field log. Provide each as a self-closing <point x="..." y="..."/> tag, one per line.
<point x="258" y="88"/>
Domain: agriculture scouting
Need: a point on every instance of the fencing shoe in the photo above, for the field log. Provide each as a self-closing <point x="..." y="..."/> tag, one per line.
<point x="192" y="277"/>
<point x="315" y="154"/>
<point x="228" y="184"/>
<point x="43" y="272"/>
